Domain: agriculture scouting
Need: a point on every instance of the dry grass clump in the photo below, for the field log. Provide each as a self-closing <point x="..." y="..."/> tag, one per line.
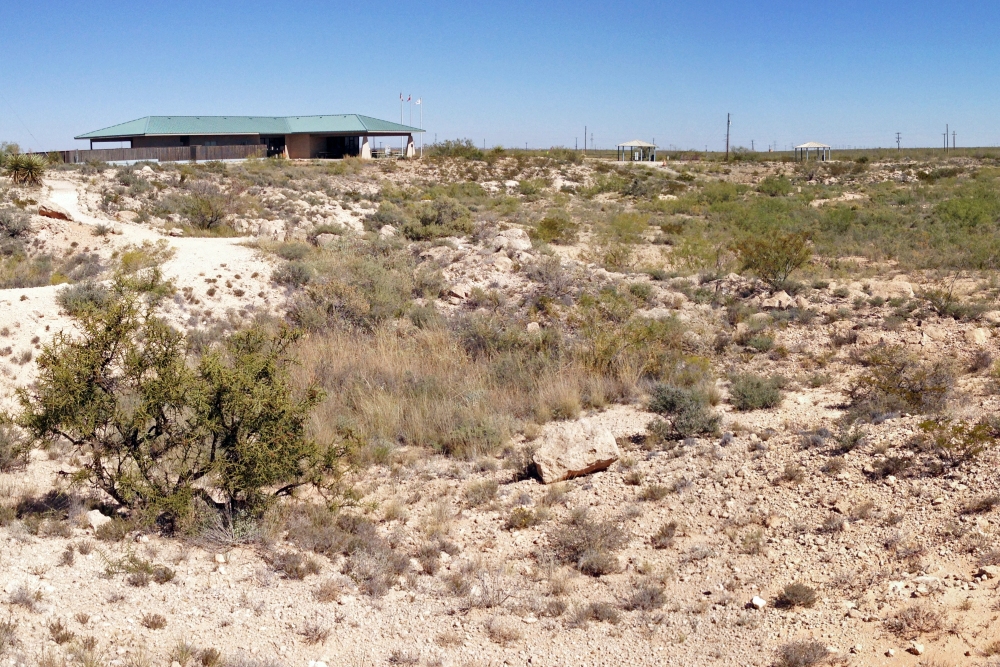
<point x="502" y="631"/>
<point x="664" y="536"/>
<point x="797" y="594"/>
<point x="8" y="635"/>
<point x="294" y="565"/>
<point x="595" y="611"/>
<point x="154" y="621"/>
<point x="313" y="633"/>
<point x="589" y="545"/>
<point x="26" y="597"/>
<point x="481" y="492"/>
<point x="915" y="620"/>
<point x="59" y="632"/>
<point x="648" y="595"/>
<point x="802" y="654"/>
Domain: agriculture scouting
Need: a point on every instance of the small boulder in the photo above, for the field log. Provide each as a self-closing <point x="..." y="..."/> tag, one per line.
<point x="779" y="300"/>
<point x="323" y="240"/>
<point x="916" y="648"/>
<point x="54" y="212"/>
<point x="758" y="602"/>
<point x="96" y="519"/>
<point x="977" y="337"/>
<point x="512" y="239"/>
<point x="176" y="231"/>
<point x="460" y="291"/>
<point x="576" y="448"/>
<point x="989" y="571"/>
<point x="387" y="231"/>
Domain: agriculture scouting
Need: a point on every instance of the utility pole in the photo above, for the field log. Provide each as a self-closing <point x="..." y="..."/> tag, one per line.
<point x="953" y="140"/>
<point x="728" y="123"/>
<point x="897" y="141"/>
<point x="751" y="146"/>
<point x="584" y="139"/>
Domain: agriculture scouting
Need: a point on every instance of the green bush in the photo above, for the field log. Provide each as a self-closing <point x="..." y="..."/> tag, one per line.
<point x="894" y="381"/>
<point x="78" y="298"/>
<point x="773" y="256"/>
<point x="754" y="392"/>
<point x="688" y="408"/>
<point x="13" y="449"/>
<point x="775" y="186"/>
<point x="159" y="428"/>
<point x="441" y="217"/>
<point x="292" y="251"/>
<point x="556" y="228"/>
<point x="13" y="223"/>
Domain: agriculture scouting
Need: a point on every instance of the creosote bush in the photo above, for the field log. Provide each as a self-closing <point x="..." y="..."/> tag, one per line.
<point x="589" y="545"/>
<point x="773" y="255"/>
<point x="754" y="392"/>
<point x="158" y="429"/>
<point x="894" y="381"/>
<point x="688" y="409"/>
<point x="797" y="594"/>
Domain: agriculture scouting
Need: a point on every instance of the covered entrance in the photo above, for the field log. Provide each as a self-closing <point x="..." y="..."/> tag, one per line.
<point x="275" y="146"/>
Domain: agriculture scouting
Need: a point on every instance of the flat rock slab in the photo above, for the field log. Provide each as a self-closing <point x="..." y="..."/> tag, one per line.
<point x="575" y="448"/>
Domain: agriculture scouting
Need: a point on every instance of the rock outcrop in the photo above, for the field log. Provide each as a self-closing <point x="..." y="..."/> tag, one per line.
<point x="575" y="448"/>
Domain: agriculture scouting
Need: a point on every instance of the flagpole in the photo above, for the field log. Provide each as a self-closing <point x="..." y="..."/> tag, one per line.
<point x="421" y="127"/>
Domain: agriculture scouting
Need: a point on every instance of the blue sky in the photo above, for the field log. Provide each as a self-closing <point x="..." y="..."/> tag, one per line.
<point x="844" y="73"/>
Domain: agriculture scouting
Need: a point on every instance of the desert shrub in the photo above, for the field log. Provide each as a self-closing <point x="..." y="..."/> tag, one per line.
<point x="206" y="208"/>
<point x="687" y="407"/>
<point x="892" y="381"/>
<point x="455" y="148"/>
<point x="946" y="304"/>
<point x="295" y="565"/>
<point x="8" y="635"/>
<point x="14" y="223"/>
<point x="647" y="596"/>
<point x="226" y="424"/>
<point x="601" y="612"/>
<point x="292" y="251"/>
<point x="981" y="360"/>
<point x="774" y="255"/>
<point x="24" y="169"/>
<point x="590" y="545"/>
<point x="754" y="392"/>
<point x="982" y="504"/>
<point x="775" y="186"/>
<point x="957" y="440"/>
<point x="664" y="536"/>
<point x="13" y="449"/>
<point x="481" y="492"/>
<point x="80" y="297"/>
<point x="441" y="217"/>
<point x="805" y="653"/>
<point x="387" y="214"/>
<point x="556" y="227"/>
<point x="915" y="620"/>
<point x="293" y="274"/>
<point x="797" y="595"/>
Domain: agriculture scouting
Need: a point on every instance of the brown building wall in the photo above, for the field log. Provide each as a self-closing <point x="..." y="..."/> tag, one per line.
<point x="195" y="140"/>
<point x="298" y="146"/>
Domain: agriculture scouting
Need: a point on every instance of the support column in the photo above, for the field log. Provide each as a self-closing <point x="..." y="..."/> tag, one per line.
<point x="410" y="150"/>
<point x="366" y="149"/>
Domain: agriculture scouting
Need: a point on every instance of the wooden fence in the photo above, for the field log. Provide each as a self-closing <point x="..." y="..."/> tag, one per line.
<point x="175" y="154"/>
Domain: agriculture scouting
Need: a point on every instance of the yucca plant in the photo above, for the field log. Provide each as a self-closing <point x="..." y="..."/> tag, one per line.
<point x="24" y="169"/>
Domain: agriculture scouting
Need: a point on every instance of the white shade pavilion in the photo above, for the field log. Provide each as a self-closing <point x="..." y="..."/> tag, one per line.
<point x="822" y="151"/>
<point x="637" y="151"/>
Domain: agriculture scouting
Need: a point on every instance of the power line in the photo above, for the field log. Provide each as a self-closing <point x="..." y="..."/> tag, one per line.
<point x="23" y="124"/>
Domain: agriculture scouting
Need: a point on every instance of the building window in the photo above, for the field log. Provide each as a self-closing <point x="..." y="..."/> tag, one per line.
<point x="185" y="141"/>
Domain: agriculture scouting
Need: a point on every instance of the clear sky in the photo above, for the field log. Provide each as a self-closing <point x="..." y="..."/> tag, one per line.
<point x="843" y="73"/>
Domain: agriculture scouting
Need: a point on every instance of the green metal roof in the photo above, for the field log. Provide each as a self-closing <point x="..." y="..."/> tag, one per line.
<point x="199" y="125"/>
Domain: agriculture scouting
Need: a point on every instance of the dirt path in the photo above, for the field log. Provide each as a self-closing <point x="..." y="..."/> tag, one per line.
<point x="216" y="278"/>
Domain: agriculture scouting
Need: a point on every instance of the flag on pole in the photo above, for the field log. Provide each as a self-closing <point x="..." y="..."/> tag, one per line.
<point x="409" y="97"/>
<point x="418" y="101"/>
<point x="401" y="97"/>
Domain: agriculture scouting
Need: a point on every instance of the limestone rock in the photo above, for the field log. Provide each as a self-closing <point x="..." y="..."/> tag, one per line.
<point x="387" y="231"/>
<point x="575" y="448"/>
<point x="96" y="519"/>
<point x="54" y="212"/>
<point x="916" y="648"/>
<point x="892" y="289"/>
<point x="758" y="602"/>
<point x="176" y="231"/>
<point x="512" y="239"/>
<point x="978" y="337"/>
<point x="460" y="291"/>
<point x="989" y="571"/>
<point x="272" y="229"/>
<point x="992" y="317"/>
<point x="323" y="240"/>
<point x="779" y="300"/>
<point x="934" y="332"/>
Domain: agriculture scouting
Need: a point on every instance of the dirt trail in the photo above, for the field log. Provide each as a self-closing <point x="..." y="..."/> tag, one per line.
<point x="214" y="277"/>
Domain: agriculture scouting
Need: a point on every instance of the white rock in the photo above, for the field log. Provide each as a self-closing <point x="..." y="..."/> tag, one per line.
<point x="176" y="231"/>
<point x="978" y="337"/>
<point x="575" y="448"/>
<point x="893" y="289"/>
<point x="534" y="327"/>
<point x="323" y="240"/>
<point x="993" y="317"/>
<point x="220" y="558"/>
<point x="96" y="519"/>
<point x="387" y="231"/>
<point x="916" y="648"/>
<point x="460" y="291"/>
<point x="779" y="300"/>
<point x="758" y="602"/>
<point x="512" y="239"/>
<point x="502" y="263"/>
